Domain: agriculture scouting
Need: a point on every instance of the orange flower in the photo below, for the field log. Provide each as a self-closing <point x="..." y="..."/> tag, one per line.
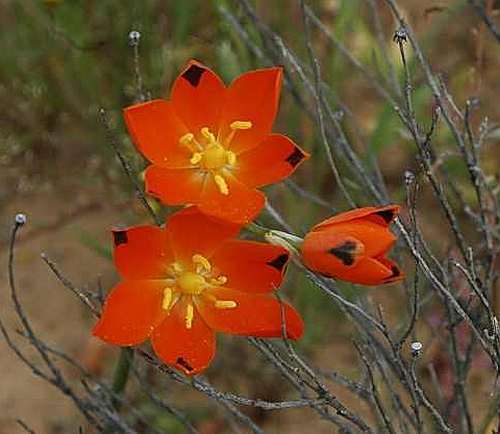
<point x="211" y="145"/>
<point x="352" y="246"/>
<point x="184" y="282"/>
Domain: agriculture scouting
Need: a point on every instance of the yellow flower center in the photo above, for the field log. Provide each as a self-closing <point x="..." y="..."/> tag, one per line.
<point x="211" y="155"/>
<point x="193" y="281"/>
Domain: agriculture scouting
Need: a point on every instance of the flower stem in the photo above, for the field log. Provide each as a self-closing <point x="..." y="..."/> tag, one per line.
<point x="120" y="378"/>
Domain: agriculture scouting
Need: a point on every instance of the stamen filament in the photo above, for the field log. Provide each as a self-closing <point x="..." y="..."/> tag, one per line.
<point x="231" y="158"/>
<point x="222" y="184"/>
<point x="205" y="131"/>
<point x="225" y="304"/>
<point x="189" y="316"/>
<point x="186" y="139"/>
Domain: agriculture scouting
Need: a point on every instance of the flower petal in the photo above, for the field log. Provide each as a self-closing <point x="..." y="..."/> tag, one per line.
<point x="331" y="253"/>
<point x="196" y="96"/>
<point x="251" y="266"/>
<point x="253" y="97"/>
<point x="192" y="232"/>
<point x="255" y="314"/>
<point x="370" y="271"/>
<point x="241" y="205"/>
<point x="187" y="349"/>
<point x="131" y="311"/>
<point x="174" y="186"/>
<point x="382" y="215"/>
<point x="141" y="252"/>
<point x="155" y="130"/>
<point x="275" y="158"/>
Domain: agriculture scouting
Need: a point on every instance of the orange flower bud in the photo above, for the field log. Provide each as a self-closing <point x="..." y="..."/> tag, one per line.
<point x="352" y="246"/>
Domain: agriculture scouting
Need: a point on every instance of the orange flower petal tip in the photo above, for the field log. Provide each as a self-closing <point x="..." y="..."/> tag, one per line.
<point x="352" y="246"/>
<point x="183" y="283"/>
<point x="211" y="145"/>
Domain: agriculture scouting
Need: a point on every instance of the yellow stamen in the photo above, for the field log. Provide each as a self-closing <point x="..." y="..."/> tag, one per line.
<point x="186" y="139"/>
<point x="175" y="268"/>
<point x="221" y="280"/>
<point x="189" y="316"/>
<point x="241" y="125"/>
<point x="168" y="294"/>
<point x="231" y="158"/>
<point x="225" y="304"/>
<point x="196" y="158"/>
<point x="222" y="184"/>
<point x="205" y="131"/>
<point x="201" y="262"/>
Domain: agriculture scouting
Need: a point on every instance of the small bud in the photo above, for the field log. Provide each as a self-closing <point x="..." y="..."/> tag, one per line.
<point x="409" y="177"/>
<point x="400" y="35"/>
<point x="416" y="348"/>
<point x="134" y="37"/>
<point x="20" y="219"/>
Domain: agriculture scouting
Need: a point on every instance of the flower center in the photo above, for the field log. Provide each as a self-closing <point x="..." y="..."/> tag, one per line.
<point x="193" y="281"/>
<point x="212" y="156"/>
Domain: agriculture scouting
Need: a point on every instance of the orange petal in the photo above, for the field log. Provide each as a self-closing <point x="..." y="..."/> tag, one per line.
<point x="251" y="266"/>
<point x="397" y="274"/>
<point x="187" y="349"/>
<point x="174" y="186"/>
<point x="240" y="206"/>
<point x="376" y="238"/>
<point x="275" y="158"/>
<point x="192" y="232"/>
<point x="331" y="253"/>
<point x="255" y="314"/>
<point x="197" y="95"/>
<point x="141" y="252"/>
<point x="131" y="311"/>
<point x="155" y="130"/>
<point x="370" y="271"/>
<point x="253" y="97"/>
<point x="382" y="216"/>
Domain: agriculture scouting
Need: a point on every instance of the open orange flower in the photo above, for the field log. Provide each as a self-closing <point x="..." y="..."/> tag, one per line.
<point x="211" y="145"/>
<point x="352" y="246"/>
<point x="184" y="282"/>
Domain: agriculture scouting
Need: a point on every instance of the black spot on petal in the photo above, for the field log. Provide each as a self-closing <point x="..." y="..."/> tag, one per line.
<point x="184" y="364"/>
<point x="295" y="157"/>
<point x="193" y="75"/>
<point x="279" y="262"/>
<point x="345" y="252"/>
<point x="120" y="237"/>
<point x="386" y="214"/>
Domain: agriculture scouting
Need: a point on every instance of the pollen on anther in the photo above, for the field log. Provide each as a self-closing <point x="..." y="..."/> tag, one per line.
<point x="205" y="131"/>
<point x="231" y="158"/>
<point x="225" y="304"/>
<point x="222" y="184"/>
<point x="202" y="261"/>
<point x="186" y="139"/>
<point x="241" y="125"/>
<point x="221" y="280"/>
<point x="167" y="298"/>
<point x="189" y="316"/>
<point x="196" y="158"/>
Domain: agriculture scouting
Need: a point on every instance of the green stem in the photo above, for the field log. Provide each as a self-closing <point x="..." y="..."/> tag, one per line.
<point x="120" y="378"/>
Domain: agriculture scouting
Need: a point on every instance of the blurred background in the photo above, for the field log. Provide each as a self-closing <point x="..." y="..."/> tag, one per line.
<point x="62" y="60"/>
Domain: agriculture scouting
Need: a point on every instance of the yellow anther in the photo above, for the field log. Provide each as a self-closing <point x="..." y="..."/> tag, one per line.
<point x="221" y="280"/>
<point x="222" y="184"/>
<point x="205" y="131"/>
<point x="241" y="125"/>
<point x="202" y="262"/>
<point x="231" y="158"/>
<point x="175" y="268"/>
<point x="186" y="139"/>
<point x="189" y="316"/>
<point x="196" y="158"/>
<point x="168" y="295"/>
<point x="225" y="304"/>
